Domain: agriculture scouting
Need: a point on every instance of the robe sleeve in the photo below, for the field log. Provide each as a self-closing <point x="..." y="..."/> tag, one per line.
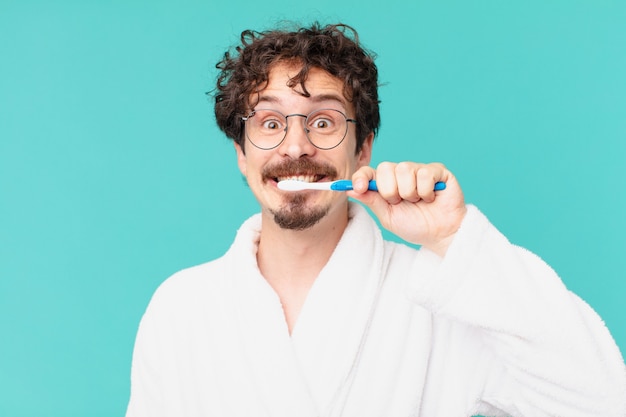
<point x="550" y="353"/>
<point x="146" y="377"/>
<point x="156" y="374"/>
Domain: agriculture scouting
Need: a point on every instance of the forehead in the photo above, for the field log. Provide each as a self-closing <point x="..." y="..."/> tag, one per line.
<point x="322" y="87"/>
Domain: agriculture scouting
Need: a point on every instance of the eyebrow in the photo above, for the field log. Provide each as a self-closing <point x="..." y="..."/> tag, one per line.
<point x="315" y="99"/>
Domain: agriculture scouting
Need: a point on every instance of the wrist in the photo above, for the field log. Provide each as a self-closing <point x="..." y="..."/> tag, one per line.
<point x="445" y="237"/>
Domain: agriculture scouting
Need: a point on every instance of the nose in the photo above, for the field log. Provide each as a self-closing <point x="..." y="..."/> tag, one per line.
<point x="296" y="144"/>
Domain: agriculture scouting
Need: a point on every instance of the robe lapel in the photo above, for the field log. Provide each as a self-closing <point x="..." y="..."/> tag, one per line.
<point x="335" y="319"/>
<point x="280" y="387"/>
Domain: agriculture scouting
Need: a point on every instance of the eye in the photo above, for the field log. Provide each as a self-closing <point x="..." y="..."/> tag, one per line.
<point x="272" y="124"/>
<point x="321" y="123"/>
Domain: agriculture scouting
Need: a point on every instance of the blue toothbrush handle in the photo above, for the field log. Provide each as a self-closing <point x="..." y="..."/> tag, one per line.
<point x="346" y="185"/>
<point x="438" y="186"/>
<point x="372" y="186"/>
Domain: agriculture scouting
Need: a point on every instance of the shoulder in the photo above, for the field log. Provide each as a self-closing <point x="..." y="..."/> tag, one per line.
<point x="191" y="288"/>
<point x="204" y="279"/>
<point x="207" y="285"/>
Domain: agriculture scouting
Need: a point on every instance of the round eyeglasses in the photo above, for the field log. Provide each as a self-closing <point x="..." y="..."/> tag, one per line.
<point x="325" y="128"/>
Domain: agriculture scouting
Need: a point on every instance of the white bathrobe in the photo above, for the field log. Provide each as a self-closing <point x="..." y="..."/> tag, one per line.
<point x="385" y="331"/>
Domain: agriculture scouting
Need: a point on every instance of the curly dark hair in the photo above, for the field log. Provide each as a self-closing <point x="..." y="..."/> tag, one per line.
<point x="333" y="48"/>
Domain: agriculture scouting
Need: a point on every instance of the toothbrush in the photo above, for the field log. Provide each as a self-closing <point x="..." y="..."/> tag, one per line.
<point x="340" y="185"/>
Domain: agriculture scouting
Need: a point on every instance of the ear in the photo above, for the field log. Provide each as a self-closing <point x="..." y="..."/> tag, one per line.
<point x="241" y="159"/>
<point x="365" y="154"/>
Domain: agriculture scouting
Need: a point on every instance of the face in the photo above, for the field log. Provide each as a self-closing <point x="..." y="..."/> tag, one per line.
<point x="296" y="157"/>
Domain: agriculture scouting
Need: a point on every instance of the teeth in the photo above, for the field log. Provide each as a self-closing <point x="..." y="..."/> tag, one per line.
<point x="304" y="178"/>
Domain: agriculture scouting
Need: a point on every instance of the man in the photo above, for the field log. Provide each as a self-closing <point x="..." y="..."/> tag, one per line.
<point x="311" y="313"/>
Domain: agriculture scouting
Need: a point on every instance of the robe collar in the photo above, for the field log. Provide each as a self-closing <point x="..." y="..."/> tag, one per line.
<point x="310" y="372"/>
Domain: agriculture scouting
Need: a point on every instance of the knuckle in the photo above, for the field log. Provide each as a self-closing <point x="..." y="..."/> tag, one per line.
<point x="425" y="174"/>
<point x="404" y="167"/>
<point x="385" y="166"/>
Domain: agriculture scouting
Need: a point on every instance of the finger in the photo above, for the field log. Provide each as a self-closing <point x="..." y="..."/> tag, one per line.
<point x="427" y="176"/>
<point x="387" y="183"/>
<point x="406" y="177"/>
<point x="361" y="179"/>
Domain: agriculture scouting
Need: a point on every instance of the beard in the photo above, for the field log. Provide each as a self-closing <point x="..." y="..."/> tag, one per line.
<point x="296" y="215"/>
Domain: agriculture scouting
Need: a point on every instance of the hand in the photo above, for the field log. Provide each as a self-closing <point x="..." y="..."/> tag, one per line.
<point x="406" y="204"/>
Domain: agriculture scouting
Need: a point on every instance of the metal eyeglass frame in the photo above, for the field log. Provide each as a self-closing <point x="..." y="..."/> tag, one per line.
<point x="306" y="131"/>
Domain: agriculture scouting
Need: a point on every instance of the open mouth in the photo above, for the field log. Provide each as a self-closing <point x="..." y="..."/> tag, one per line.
<point x="300" y="170"/>
<point x="303" y="178"/>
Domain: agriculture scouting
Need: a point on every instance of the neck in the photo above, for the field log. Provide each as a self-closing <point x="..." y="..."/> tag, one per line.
<point x="291" y="260"/>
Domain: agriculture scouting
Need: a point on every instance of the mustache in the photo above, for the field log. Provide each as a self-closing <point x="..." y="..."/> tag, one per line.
<point x="295" y="167"/>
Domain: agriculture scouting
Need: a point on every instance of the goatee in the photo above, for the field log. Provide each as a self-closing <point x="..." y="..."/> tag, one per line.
<point x="295" y="215"/>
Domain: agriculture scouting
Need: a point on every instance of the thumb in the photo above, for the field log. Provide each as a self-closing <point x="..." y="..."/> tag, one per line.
<point x="373" y="200"/>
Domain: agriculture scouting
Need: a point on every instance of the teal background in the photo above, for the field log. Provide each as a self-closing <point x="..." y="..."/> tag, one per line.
<point x="113" y="174"/>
